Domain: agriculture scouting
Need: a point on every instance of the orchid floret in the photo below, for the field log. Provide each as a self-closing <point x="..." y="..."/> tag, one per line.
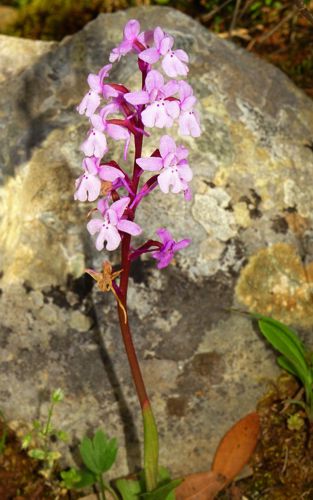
<point x="166" y="252"/>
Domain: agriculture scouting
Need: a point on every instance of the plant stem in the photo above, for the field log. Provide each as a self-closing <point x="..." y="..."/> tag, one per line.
<point x="102" y="489"/>
<point x="151" y="450"/>
<point x="46" y="431"/>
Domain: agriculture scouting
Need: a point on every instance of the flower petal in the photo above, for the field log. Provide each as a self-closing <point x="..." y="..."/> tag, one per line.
<point x="120" y="206"/>
<point x="113" y="238"/>
<point x="131" y="29"/>
<point x="140" y="97"/>
<point x="167" y="145"/>
<point x="129" y="227"/>
<point x="108" y="173"/>
<point x="152" y="164"/>
<point x="154" y="80"/>
<point x="94" y="226"/>
<point x="150" y="56"/>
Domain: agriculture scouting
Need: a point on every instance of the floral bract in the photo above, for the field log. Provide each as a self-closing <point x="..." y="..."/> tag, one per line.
<point x="118" y="113"/>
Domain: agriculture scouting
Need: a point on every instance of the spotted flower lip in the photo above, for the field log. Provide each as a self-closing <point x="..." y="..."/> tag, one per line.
<point x="169" y="246"/>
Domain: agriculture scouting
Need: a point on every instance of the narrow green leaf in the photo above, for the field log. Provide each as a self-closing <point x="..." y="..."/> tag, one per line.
<point x="87" y="453"/>
<point x="162" y="492"/>
<point x="285" y="344"/>
<point x="286" y="365"/>
<point x="289" y="332"/>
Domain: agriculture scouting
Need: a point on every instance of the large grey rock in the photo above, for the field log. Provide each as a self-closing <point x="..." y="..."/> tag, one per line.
<point x="250" y="221"/>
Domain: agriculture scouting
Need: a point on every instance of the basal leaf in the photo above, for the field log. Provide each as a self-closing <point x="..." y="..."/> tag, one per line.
<point x="286" y="330"/>
<point x="162" y="492"/>
<point x="87" y="453"/>
<point x="286" y="365"/>
<point x="128" y="488"/>
<point x="105" y="451"/>
<point x="285" y="344"/>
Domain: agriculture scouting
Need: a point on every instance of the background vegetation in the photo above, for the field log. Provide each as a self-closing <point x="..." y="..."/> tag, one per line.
<point x="279" y="30"/>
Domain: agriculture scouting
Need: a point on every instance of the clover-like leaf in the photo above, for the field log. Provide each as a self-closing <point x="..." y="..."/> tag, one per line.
<point x="98" y="454"/>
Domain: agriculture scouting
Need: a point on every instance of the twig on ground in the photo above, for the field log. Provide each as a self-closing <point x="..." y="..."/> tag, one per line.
<point x="269" y="33"/>
<point x="208" y="16"/>
<point x="234" y="18"/>
<point x="304" y="11"/>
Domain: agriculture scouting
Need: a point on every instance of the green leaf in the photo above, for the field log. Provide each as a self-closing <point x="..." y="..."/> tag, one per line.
<point x="105" y="450"/>
<point x="163" y="492"/>
<point x="36" y="425"/>
<point x="98" y="454"/>
<point x="70" y="477"/>
<point x="26" y="441"/>
<point x="87" y="454"/>
<point x="37" y="454"/>
<point x="87" y="478"/>
<point x="128" y="488"/>
<point x="286" y="365"/>
<point x="289" y="332"/>
<point x="57" y="396"/>
<point x="62" y="435"/>
<point x="286" y="342"/>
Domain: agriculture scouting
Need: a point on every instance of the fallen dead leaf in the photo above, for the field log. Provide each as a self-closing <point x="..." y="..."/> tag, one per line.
<point x="200" y="486"/>
<point x="237" y="446"/>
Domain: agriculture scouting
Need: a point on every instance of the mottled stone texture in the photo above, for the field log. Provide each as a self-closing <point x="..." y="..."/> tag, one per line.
<point x="250" y="221"/>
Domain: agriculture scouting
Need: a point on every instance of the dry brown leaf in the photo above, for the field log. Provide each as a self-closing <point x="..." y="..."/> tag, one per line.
<point x="200" y="486"/>
<point x="237" y="446"/>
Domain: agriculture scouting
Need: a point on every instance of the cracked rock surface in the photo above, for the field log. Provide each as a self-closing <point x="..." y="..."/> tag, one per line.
<point x="250" y="221"/>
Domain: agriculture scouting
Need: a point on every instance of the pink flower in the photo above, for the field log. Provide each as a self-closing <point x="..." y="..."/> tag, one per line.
<point x="189" y="122"/>
<point x="132" y="41"/>
<point x="175" y="171"/>
<point x="117" y="132"/>
<point x="174" y="61"/>
<point x="95" y="144"/>
<point x="91" y="100"/>
<point x="166" y="252"/>
<point x="111" y="223"/>
<point x="88" y="185"/>
<point x="160" y="110"/>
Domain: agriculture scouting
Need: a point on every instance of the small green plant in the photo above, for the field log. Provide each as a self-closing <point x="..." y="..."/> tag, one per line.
<point x="132" y="489"/>
<point x="98" y="455"/>
<point x="294" y="358"/>
<point x="41" y="434"/>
